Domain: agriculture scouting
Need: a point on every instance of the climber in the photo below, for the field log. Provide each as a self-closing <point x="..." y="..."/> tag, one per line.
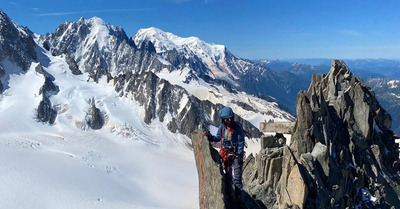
<point x="231" y="136"/>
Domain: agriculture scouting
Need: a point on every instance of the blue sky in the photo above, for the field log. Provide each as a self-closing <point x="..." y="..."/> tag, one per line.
<point x="251" y="29"/>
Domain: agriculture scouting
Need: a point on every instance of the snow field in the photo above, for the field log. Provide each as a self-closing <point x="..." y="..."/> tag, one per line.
<point x="127" y="164"/>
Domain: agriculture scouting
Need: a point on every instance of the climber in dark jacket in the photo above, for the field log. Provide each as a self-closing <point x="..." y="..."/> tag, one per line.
<point x="233" y="143"/>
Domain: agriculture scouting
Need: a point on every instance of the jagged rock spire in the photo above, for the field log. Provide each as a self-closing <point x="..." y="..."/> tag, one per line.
<point x="342" y="152"/>
<point x="340" y="114"/>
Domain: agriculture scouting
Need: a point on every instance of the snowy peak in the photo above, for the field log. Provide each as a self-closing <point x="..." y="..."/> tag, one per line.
<point x="101" y="31"/>
<point x="165" y="41"/>
<point x="88" y="33"/>
<point x="213" y="61"/>
<point x="213" y="56"/>
<point x="97" y="47"/>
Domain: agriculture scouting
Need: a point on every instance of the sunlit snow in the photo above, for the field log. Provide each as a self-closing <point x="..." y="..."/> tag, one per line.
<point x="127" y="164"/>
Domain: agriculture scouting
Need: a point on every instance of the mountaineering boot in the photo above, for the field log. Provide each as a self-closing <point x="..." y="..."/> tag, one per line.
<point x="239" y="198"/>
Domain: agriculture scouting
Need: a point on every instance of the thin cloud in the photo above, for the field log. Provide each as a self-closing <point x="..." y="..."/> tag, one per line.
<point x="302" y="34"/>
<point x="36" y="9"/>
<point x="92" y="11"/>
<point x="351" y="33"/>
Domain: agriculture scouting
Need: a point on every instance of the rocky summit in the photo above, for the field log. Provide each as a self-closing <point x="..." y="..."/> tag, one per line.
<point x="342" y="153"/>
<point x="343" y="144"/>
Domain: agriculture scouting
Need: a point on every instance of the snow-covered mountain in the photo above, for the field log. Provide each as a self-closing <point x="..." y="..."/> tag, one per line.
<point x="215" y="62"/>
<point x="99" y="48"/>
<point x="211" y="55"/>
<point x="91" y="120"/>
<point x="119" y="55"/>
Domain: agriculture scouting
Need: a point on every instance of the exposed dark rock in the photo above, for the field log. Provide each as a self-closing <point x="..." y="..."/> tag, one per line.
<point x="2" y="73"/>
<point x="45" y="111"/>
<point x="48" y="88"/>
<point x="73" y="66"/>
<point x="148" y="46"/>
<point x="96" y="119"/>
<point x="16" y="44"/>
<point x="161" y="99"/>
<point x="39" y="69"/>
<point x="343" y="140"/>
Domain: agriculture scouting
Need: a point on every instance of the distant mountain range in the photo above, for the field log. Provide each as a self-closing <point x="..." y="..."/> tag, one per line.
<point x="182" y="82"/>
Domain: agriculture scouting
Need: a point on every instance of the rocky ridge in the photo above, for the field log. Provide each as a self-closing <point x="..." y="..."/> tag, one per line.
<point x="16" y="46"/>
<point x="343" y="142"/>
<point x="171" y="104"/>
<point x="342" y="152"/>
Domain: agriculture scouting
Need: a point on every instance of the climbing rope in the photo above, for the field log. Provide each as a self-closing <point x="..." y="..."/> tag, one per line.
<point x="201" y="171"/>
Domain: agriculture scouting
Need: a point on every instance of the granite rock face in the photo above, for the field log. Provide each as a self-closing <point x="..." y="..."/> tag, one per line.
<point x="214" y="185"/>
<point x="343" y="143"/>
<point x="211" y="178"/>
<point x="261" y="173"/>
<point x="342" y="153"/>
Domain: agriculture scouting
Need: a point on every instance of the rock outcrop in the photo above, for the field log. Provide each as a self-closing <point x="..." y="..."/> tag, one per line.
<point x="214" y="186"/>
<point x="211" y="178"/>
<point x="343" y="145"/>
<point x="45" y="111"/>
<point x="95" y="117"/>
<point x="261" y="173"/>
<point x="73" y="66"/>
<point x="342" y="152"/>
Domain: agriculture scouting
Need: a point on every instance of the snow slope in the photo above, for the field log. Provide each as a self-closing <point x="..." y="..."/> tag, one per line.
<point x="127" y="164"/>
